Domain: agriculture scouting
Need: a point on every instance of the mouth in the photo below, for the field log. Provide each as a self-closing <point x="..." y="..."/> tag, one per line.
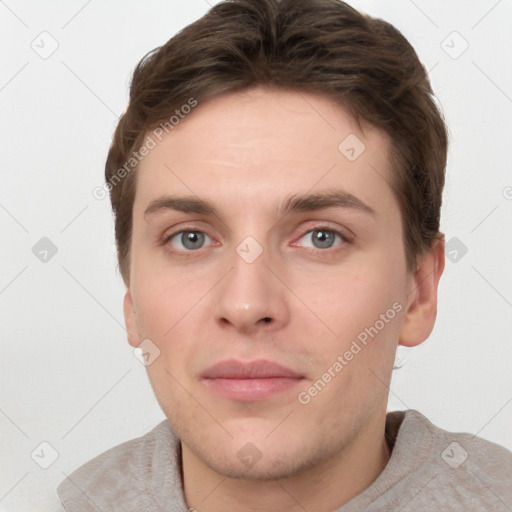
<point x="250" y="382"/>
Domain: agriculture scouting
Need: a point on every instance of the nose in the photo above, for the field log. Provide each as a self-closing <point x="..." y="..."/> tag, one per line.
<point x="251" y="296"/>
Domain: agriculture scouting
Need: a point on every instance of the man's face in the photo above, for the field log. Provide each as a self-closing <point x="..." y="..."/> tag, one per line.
<point x="251" y="283"/>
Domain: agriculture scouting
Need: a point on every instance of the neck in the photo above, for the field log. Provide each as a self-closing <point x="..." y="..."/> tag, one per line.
<point x="325" y="487"/>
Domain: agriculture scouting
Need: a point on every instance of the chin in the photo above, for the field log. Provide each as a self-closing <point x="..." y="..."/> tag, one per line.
<point x="269" y="467"/>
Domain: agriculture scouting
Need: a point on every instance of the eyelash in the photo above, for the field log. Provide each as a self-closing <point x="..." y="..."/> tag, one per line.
<point x="329" y="250"/>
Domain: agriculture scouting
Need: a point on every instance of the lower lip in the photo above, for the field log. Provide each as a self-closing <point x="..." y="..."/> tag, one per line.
<point x="251" y="390"/>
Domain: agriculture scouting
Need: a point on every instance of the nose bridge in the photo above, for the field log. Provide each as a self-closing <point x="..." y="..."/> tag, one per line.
<point x="250" y="293"/>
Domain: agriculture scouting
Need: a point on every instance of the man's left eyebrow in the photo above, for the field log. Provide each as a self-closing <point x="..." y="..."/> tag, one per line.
<point x="335" y="198"/>
<point x="294" y="203"/>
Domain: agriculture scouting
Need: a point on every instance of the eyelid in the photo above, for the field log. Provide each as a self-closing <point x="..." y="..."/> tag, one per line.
<point x="173" y="230"/>
<point x="319" y="225"/>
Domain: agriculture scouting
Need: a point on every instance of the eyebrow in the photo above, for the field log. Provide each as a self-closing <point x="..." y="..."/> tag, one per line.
<point x="292" y="204"/>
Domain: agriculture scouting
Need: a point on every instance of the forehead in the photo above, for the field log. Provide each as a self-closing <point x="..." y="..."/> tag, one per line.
<point x="261" y="145"/>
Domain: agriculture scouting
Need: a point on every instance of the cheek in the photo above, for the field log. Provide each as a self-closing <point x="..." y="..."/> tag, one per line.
<point x="349" y="303"/>
<point x="358" y="296"/>
<point x="169" y="311"/>
<point x="364" y="311"/>
<point x="165" y="309"/>
<point x="163" y="298"/>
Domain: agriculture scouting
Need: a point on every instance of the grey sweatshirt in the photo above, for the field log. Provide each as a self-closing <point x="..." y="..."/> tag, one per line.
<point x="430" y="469"/>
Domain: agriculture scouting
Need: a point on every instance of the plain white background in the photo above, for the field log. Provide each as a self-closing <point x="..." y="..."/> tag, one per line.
<point x="69" y="378"/>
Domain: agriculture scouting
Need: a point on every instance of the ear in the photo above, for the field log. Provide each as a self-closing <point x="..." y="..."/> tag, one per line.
<point x="421" y="313"/>
<point x="130" y="320"/>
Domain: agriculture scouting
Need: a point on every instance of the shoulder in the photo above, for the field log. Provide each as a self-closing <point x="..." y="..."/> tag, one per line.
<point x="462" y="469"/>
<point x="126" y="475"/>
<point x="456" y="449"/>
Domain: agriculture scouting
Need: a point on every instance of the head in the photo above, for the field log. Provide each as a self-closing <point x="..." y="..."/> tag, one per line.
<point x="277" y="181"/>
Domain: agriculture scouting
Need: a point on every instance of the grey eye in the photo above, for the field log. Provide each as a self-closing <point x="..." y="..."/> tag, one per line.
<point x="322" y="238"/>
<point x="190" y="240"/>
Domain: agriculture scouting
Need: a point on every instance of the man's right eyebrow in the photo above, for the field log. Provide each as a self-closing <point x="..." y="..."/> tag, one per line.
<point x="181" y="204"/>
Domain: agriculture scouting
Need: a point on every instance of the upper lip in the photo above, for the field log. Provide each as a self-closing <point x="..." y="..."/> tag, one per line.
<point x="260" y="369"/>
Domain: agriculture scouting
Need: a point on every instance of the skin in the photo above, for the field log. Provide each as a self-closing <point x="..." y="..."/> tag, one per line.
<point x="245" y="152"/>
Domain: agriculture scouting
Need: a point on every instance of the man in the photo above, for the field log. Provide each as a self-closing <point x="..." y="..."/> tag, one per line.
<point x="277" y="181"/>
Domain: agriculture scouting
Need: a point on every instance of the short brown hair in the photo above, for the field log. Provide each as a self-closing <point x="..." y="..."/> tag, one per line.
<point x="317" y="46"/>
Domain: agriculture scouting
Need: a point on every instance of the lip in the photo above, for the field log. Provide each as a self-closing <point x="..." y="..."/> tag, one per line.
<point x="251" y="381"/>
<point x="259" y="369"/>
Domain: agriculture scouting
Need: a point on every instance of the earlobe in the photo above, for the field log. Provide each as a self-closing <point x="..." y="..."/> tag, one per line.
<point x="421" y="313"/>
<point x="130" y="319"/>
